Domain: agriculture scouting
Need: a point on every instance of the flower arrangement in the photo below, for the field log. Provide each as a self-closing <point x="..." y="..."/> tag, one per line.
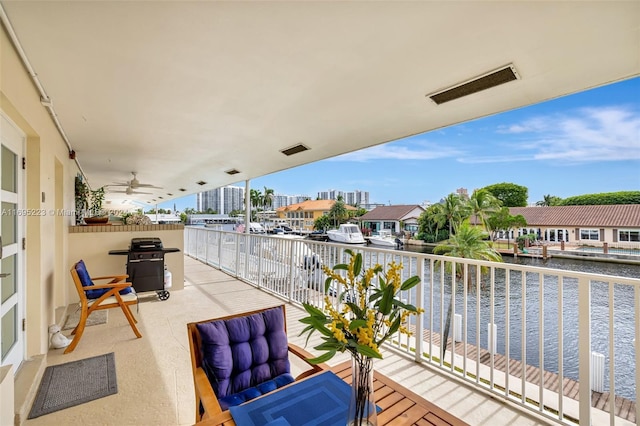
<point x="371" y="313"/>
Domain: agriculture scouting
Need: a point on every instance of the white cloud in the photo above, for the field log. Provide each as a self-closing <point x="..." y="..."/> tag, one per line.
<point x="394" y="151"/>
<point x="590" y="134"/>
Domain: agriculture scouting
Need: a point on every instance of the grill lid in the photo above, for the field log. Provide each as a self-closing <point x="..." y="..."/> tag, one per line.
<point x="145" y="244"/>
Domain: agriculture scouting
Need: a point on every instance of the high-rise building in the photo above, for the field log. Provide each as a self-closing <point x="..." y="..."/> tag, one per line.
<point x="280" y="200"/>
<point x="221" y="200"/>
<point x="357" y="197"/>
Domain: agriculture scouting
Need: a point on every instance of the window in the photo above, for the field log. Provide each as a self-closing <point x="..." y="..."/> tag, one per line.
<point x="590" y="234"/>
<point x="628" y="235"/>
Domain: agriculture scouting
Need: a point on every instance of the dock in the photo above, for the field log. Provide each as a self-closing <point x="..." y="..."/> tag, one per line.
<point x="624" y="408"/>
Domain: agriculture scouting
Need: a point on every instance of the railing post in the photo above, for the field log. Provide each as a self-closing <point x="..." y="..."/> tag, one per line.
<point x="419" y="304"/>
<point x="206" y="247"/>
<point x="292" y="266"/>
<point x="584" y="350"/>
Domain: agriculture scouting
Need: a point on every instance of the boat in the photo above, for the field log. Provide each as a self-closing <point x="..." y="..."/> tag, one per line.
<point x="383" y="238"/>
<point x="347" y="234"/>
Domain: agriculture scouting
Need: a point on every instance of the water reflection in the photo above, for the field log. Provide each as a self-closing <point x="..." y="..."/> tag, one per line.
<point x="560" y="305"/>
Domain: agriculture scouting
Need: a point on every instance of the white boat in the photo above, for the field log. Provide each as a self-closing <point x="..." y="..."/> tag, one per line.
<point x="346" y="234"/>
<point x="383" y="238"/>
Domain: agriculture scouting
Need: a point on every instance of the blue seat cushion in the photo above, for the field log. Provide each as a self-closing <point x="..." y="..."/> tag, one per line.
<point x="245" y="354"/>
<point x="85" y="280"/>
<point x="255" y="391"/>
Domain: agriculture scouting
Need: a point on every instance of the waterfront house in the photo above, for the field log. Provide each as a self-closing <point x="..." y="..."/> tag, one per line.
<point x="199" y="95"/>
<point x="616" y="225"/>
<point x="397" y="218"/>
<point x="303" y="215"/>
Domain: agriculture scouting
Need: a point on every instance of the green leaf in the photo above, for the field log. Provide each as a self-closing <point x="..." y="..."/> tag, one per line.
<point x="357" y="264"/>
<point x="367" y="351"/>
<point x="402" y="305"/>
<point x="357" y="323"/>
<point x="394" y="326"/>
<point x="342" y="266"/>
<point x="375" y="296"/>
<point x="327" y="285"/>
<point x="322" y="358"/>
<point x="329" y="345"/>
<point x="355" y="309"/>
<point x="386" y="303"/>
<point x="410" y="283"/>
<point x="315" y="312"/>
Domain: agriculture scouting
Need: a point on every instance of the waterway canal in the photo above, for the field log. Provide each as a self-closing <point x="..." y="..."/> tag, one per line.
<point x="623" y="317"/>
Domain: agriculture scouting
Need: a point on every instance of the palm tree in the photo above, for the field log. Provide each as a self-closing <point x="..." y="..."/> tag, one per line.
<point x="468" y="243"/>
<point x="255" y="196"/>
<point x="451" y="210"/>
<point x="549" y="200"/>
<point x="266" y="200"/>
<point x="481" y="204"/>
<point x="338" y="211"/>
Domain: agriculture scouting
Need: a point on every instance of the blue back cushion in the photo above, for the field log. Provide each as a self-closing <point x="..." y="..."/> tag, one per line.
<point x="85" y="280"/>
<point x="243" y="352"/>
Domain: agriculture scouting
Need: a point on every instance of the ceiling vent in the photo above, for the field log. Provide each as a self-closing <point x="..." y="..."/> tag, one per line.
<point x="478" y="84"/>
<point x="294" y="149"/>
<point x="232" y="172"/>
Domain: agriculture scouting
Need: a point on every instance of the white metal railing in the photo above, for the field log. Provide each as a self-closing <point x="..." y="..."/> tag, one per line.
<point x="556" y="318"/>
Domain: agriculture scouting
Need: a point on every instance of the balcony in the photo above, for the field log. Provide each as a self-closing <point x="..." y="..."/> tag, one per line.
<point x="248" y="272"/>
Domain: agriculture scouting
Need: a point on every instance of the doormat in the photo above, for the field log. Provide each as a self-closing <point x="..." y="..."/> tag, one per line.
<point x="73" y="383"/>
<point x="97" y="317"/>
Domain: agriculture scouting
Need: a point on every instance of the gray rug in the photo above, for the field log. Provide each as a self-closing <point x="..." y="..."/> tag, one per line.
<point x="74" y="383"/>
<point x="97" y="317"/>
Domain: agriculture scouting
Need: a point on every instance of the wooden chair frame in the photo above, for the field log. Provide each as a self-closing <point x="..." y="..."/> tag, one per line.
<point x="110" y="299"/>
<point x="203" y="389"/>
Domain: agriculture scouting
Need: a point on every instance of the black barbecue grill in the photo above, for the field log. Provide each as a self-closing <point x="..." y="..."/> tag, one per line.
<point x="145" y="265"/>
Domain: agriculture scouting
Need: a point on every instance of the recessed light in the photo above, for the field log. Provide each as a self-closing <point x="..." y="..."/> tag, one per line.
<point x="201" y="182"/>
<point x="169" y="194"/>
<point x="232" y="172"/>
<point x="477" y="84"/>
<point x="182" y="189"/>
<point x="294" y="149"/>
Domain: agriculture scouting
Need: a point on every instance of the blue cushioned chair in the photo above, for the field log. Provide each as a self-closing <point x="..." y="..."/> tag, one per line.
<point x="240" y="357"/>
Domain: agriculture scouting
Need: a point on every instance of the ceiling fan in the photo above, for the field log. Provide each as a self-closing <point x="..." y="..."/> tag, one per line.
<point x="128" y="191"/>
<point x="135" y="183"/>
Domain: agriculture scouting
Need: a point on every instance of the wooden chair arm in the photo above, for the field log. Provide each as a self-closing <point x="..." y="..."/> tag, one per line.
<point x="114" y="278"/>
<point x="110" y="285"/>
<point x="205" y="393"/>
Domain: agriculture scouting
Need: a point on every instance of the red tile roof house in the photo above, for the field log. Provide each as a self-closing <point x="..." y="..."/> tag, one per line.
<point x="389" y="217"/>
<point x="616" y="225"/>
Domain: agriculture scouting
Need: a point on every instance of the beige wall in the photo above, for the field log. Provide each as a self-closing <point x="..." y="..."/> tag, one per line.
<point x="49" y="172"/>
<point x="93" y="248"/>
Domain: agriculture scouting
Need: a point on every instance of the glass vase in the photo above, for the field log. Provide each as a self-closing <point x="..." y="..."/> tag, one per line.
<point x="362" y="406"/>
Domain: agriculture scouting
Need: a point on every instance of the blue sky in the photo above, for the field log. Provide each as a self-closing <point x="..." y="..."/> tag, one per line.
<point x="579" y="144"/>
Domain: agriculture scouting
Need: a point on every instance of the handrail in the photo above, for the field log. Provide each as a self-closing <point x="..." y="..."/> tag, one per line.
<point x="557" y="311"/>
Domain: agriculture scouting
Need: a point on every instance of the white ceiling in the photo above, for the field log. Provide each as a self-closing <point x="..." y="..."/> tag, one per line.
<point x="182" y="91"/>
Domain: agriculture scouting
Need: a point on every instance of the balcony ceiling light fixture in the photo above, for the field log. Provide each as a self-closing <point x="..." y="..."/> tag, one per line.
<point x="232" y="172"/>
<point x="477" y="84"/>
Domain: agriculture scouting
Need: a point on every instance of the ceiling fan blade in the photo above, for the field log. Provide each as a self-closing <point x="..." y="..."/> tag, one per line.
<point x="147" y="185"/>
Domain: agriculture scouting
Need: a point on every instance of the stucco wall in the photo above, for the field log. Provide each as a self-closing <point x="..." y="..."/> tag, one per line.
<point x="94" y="247"/>
<point x="49" y="185"/>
